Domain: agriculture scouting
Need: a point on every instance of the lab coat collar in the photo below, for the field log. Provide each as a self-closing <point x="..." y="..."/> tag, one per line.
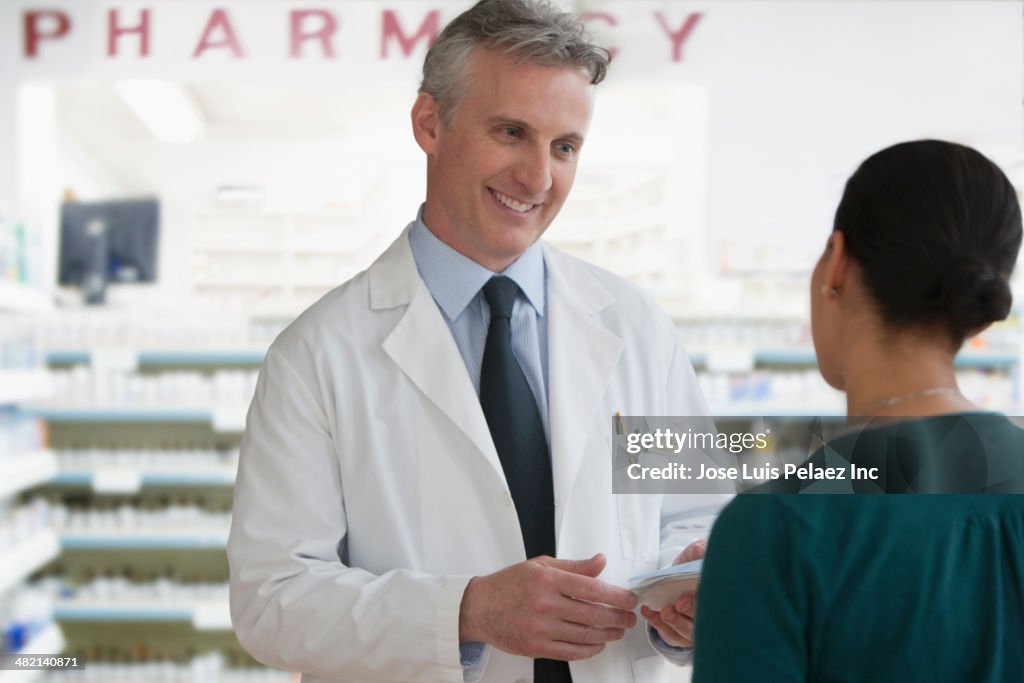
<point x="583" y="354"/>
<point x="430" y="360"/>
<point x="393" y="276"/>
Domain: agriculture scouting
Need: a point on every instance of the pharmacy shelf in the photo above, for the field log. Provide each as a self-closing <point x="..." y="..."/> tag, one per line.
<point x="685" y="316"/>
<point x="204" y="615"/>
<point x="278" y="308"/>
<point x="806" y="356"/>
<point x="336" y="251"/>
<point x="320" y="283"/>
<point x="211" y="477"/>
<point x="20" y="386"/>
<point x="244" y="357"/>
<point x="974" y="359"/>
<point x="142" y="539"/>
<point x="49" y="642"/>
<point x="206" y="357"/>
<point x="238" y="248"/>
<point x="769" y="409"/>
<point x="25" y="471"/>
<point x="123" y="414"/>
<point x="240" y="283"/>
<point x="228" y="420"/>
<point x="19" y="298"/>
<point x="26" y="557"/>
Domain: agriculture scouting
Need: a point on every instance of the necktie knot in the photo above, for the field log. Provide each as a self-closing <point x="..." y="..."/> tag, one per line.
<point x="500" y="293"/>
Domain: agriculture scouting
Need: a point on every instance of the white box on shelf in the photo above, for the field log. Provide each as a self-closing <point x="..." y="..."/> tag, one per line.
<point x="211" y="616"/>
<point x="22" y="386"/>
<point x="117" y="480"/>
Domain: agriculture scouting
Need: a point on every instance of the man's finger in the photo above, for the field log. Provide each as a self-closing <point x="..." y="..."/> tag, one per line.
<point x="581" y="634"/>
<point x="591" y="614"/>
<point x="568" y="652"/>
<point x="591" y="567"/>
<point x="592" y="590"/>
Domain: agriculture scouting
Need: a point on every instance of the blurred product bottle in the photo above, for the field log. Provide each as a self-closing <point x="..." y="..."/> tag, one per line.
<point x="31" y="611"/>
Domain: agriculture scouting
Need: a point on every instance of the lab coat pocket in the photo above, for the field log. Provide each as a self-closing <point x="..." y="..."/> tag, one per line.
<point x="649" y="669"/>
<point x="640" y="525"/>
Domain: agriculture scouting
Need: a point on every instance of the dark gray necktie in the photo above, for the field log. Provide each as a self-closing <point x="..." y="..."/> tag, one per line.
<point x="518" y="433"/>
<point x="515" y="424"/>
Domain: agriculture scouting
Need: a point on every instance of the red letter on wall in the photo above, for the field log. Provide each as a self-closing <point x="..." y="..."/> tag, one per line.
<point x="606" y="18"/>
<point x="218" y="20"/>
<point x="32" y="33"/>
<point x="428" y="30"/>
<point x="679" y="36"/>
<point x="328" y="26"/>
<point x="114" y="32"/>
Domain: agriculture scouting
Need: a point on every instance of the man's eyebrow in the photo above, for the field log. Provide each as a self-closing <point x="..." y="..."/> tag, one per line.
<point x="518" y="123"/>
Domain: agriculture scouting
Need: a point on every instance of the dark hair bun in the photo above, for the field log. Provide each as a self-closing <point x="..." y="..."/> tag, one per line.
<point x="975" y="294"/>
<point x="935" y="227"/>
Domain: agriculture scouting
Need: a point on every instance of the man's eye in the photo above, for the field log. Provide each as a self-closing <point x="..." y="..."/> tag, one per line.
<point x="566" y="149"/>
<point x="512" y="132"/>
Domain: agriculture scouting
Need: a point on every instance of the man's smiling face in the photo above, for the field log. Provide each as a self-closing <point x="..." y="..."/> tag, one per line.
<point x="499" y="172"/>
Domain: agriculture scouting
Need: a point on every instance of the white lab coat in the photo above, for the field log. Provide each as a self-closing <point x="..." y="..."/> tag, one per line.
<point x="369" y="491"/>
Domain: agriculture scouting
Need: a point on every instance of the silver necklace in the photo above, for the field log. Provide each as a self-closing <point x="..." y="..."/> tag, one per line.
<point x="894" y="400"/>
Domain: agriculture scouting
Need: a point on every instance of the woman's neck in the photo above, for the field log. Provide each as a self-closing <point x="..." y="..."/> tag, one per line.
<point x="903" y="374"/>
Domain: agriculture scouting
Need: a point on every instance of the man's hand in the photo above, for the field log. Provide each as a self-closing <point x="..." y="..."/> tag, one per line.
<point x="546" y="608"/>
<point x="674" y="623"/>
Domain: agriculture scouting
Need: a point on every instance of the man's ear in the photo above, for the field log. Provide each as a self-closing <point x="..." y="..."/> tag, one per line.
<point x="426" y="122"/>
<point x="837" y="262"/>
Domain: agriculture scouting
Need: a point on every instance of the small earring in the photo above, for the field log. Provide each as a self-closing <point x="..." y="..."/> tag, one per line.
<point x="830" y="292"/>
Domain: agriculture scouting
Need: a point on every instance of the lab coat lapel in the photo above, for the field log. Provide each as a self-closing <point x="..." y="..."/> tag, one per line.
<point x="582" y="354"/>
<point x="423" y="348"/>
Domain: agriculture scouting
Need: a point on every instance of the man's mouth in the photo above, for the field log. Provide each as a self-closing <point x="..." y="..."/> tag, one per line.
<point x="511" y="203"/>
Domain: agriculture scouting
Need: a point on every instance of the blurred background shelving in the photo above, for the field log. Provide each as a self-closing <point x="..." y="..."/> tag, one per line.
<point x="140" y="501"/>
<point x="27" y="540"/>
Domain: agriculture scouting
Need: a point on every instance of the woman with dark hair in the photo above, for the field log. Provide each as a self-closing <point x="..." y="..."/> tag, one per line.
<point x="890" y="587"/>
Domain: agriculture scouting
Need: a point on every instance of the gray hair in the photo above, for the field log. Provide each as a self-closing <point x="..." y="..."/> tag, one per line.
<point x="532" y="30"/>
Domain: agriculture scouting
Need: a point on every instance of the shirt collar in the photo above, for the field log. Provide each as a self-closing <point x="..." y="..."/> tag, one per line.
<point x="454" y="279"/>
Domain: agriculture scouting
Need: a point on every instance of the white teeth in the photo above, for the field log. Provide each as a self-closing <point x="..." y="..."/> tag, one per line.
<point x="511" y="203"/>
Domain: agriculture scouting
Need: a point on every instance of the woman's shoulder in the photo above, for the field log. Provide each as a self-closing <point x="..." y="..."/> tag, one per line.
<point x="953" y="453"/>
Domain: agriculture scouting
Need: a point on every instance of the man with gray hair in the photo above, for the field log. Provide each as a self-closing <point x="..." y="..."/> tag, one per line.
<point x="430" y="436"/>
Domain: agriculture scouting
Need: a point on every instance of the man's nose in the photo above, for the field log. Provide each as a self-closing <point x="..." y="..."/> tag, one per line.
<point x="533" y="171"/>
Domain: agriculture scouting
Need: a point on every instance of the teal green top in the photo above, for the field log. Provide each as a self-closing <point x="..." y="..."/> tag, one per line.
<point x="876" y="587"/>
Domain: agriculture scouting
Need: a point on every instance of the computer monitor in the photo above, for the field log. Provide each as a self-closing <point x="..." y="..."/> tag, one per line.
<point x="108" y="241"/>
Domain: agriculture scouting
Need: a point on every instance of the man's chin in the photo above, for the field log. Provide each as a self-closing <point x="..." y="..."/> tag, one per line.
<point x="506" y="253"/>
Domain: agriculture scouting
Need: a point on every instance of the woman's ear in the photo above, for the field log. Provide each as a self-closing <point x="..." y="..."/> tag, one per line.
<point x="426" y="122"/>
<point x="837" y="262"/>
